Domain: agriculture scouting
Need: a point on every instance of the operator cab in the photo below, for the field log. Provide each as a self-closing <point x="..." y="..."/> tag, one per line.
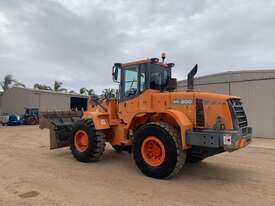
<point x="136" y="77"/>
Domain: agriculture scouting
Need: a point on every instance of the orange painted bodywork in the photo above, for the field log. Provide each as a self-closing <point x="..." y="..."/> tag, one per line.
<point x="118" y="120"/>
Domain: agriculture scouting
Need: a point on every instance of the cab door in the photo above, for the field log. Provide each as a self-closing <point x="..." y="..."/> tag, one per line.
<point x="133" y="83"/>
<point x="130" y="89"/>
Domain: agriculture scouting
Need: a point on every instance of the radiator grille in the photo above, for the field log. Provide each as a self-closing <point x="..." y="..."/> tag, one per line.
<point x="238" y="115"/>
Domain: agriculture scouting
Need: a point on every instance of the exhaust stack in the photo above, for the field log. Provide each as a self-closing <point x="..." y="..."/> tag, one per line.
<point x="190" y="79"/>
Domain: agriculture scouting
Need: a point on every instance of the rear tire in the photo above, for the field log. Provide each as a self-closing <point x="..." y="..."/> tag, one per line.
<point x="86" y="143"/>
<point x="33" y="121"/>
<point x="167" y="157"/>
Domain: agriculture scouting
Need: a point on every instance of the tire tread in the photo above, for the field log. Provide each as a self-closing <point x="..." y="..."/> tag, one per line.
<point x="176" y="137"/>
<point x="98" y="139"/>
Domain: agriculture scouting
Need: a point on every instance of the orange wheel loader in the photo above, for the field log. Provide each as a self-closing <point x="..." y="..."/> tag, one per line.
<point x="162" y="127"/>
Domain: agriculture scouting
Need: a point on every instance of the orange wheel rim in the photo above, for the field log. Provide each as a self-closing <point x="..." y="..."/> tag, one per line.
<point x="153" y="151"/>
<point x="81" y="140"/>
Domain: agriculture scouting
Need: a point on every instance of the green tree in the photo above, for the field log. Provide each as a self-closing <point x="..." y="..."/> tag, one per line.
<point x="9" y="82"/>
<point x="91" y="92"/>
<point x="83" y="90"/>
<point x="58" y="87"/>
<point x="86" y="91"/>
<point x="72" y="92"/>
<point x="42" y="86"/>
<point x="108" y="93"/>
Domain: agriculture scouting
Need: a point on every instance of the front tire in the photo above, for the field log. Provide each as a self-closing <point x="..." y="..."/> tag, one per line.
<point x="86" y="143"/>
<point x="157" y="150"/>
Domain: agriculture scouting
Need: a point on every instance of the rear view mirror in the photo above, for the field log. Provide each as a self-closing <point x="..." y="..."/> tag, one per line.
<point x="171" y="84"/>
<point x="115" y="72"/>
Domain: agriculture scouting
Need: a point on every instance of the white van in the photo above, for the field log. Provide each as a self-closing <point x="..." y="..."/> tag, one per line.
<point x="4" y="119"/>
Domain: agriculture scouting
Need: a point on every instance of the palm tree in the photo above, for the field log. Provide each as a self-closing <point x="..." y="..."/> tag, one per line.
<point x="58" y="87"/>
<point x="91" y="92"/>
<point x="72" y="92"/>
<point x="9" y="82"/>
<point x="83" y="90"/>
<point x="86" y="91"/>
<point x="108" y="93"/>
<point x="42" y="86"/>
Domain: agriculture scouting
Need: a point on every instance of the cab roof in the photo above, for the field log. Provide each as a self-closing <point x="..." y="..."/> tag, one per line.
<point x="146" y="61"/>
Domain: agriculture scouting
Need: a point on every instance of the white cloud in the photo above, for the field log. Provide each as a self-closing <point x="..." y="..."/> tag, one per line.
<point x="77" y="41"/>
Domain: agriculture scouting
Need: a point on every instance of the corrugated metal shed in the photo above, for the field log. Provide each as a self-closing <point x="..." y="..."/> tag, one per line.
<point x="15" y="100"/>
<point x="1" y="94"/>
<point x="255" y="87"/>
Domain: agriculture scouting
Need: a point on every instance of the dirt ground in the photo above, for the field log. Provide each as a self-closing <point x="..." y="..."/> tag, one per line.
<point x="31" y="174"/>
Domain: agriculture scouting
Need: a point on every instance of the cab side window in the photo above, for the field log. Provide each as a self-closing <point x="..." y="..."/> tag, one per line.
<point x="158" y="77"/>
<point x="131" y="82"/>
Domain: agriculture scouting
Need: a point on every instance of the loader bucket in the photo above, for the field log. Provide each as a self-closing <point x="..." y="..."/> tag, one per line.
<point x="60" y="125"/>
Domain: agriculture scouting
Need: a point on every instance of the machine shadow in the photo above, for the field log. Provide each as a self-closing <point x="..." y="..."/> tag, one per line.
<point x="202" y="171"/>
<point x="212" y="171"/>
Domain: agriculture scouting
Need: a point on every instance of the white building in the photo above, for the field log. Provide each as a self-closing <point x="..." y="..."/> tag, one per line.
<point x="15" y="100"/>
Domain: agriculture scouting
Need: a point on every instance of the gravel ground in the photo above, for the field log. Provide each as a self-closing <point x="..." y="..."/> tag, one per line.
<point x="31" y="174"/>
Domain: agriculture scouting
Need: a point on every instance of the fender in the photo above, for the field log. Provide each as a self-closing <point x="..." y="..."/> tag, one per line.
<point x="100" y="119"/>
<point x="180" y="118"/>
<point x="183" y="122"/>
